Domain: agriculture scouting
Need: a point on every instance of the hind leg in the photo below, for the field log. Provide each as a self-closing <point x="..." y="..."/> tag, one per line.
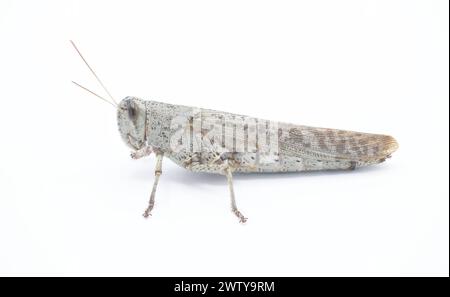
<point x="234" y="208"/>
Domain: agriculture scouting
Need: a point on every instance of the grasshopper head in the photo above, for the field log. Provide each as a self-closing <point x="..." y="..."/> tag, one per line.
<point x="132" y="119"/>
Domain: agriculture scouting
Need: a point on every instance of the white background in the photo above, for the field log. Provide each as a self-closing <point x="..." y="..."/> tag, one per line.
<point x="71" y="199"/>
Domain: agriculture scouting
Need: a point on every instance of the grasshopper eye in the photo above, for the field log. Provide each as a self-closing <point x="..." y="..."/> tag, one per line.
<point x="131" y="108"/>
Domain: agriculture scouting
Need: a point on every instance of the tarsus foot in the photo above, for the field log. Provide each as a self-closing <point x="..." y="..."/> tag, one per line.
<point x="240" y="216"/>
<point x="148" y="211"/>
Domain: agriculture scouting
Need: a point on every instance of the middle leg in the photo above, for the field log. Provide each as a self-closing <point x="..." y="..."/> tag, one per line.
<point x="158" y="167"/>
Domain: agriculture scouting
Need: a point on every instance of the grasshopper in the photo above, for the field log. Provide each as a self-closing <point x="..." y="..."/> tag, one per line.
<point x="203" y="140"/>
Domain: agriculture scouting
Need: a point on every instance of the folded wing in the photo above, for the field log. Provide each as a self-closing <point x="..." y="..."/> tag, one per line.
<point x="332" y="144"/>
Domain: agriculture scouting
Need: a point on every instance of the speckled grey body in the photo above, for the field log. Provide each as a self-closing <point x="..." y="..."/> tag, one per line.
<point x="211" y="141"/>
<point x="297" y="148"/>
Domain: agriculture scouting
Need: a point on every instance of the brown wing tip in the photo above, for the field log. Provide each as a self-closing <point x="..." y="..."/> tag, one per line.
<point x="390" y="145"/>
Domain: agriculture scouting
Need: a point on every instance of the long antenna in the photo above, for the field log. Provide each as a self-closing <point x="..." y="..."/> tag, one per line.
<point x="93" y="72"/>
<point x="86" y="89"/>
